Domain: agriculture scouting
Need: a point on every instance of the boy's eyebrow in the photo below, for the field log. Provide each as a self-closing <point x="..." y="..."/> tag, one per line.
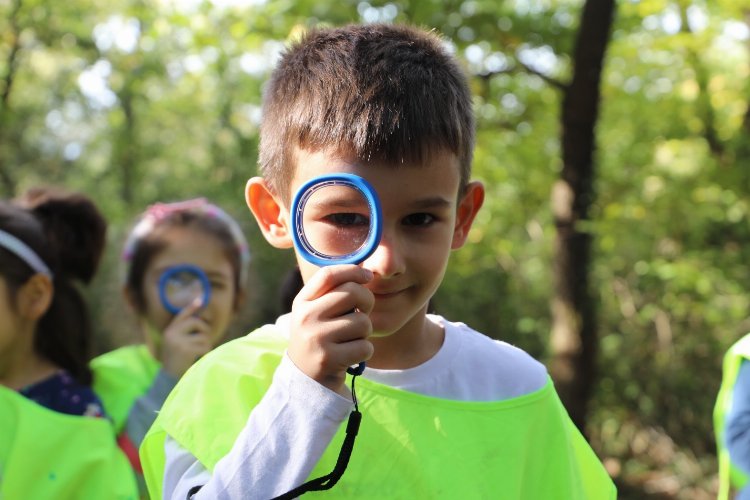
<point x="348" y="200"/>
<point x="432" y="202"/>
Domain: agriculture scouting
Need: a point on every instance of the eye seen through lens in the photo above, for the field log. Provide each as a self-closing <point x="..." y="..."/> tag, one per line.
<point x="336" y="220"/>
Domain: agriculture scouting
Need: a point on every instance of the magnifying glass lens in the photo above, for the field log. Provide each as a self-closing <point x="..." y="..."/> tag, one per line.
<point x="182" y="288"/>
<point x="335" y="221"/>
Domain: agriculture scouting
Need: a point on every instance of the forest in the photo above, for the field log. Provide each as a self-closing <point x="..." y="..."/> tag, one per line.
<point x="612" y="139"/>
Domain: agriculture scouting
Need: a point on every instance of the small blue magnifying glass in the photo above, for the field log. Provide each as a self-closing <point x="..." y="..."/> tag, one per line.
<point x="336" y="219"/>
<point x="180" y="285"/>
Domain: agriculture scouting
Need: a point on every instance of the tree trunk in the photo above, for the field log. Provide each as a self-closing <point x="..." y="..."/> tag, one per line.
<point x="574" y="333"/>
<point x="125" y="148"/>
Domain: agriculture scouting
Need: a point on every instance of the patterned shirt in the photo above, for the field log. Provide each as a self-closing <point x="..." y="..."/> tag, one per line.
<point x="61" y="393"/>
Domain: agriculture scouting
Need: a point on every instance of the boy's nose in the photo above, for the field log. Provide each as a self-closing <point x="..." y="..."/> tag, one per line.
<point x="388" y="259"/>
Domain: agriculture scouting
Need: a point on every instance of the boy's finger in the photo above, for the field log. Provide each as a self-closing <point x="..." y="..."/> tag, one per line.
<point x="351" y="353"/>
<point x="344" y="299"/>
<point x="353" y="326"/>
<point x="330" y="277"/>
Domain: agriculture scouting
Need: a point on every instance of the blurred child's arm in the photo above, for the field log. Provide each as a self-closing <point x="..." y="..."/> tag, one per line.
<point x="143" y="412"/>
<point x="283" y="439"/>
<point x="737" y="432"/>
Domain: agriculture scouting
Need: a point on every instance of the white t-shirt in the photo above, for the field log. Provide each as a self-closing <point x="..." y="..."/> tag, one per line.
<point x="287" y="433"/>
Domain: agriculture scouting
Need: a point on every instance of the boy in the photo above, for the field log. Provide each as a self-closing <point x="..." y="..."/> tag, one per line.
<point x="447" y="412"/>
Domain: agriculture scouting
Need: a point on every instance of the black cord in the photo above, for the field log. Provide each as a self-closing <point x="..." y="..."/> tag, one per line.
<point x="352" y="428"/>
<point x="329" y="480"/>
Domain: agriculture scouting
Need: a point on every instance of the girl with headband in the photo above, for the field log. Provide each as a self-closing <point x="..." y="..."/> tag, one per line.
<point x="196" y="235"/>
<point x="55" y="440"/>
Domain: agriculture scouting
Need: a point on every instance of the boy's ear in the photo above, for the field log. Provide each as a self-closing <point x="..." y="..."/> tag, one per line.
<point x="35" y="296"/>
<point x="467" y="209"/>
<point x="269" y="212"/>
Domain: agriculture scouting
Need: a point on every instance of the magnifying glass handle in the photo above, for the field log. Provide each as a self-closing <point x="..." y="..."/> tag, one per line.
<point x="356" y="370"/>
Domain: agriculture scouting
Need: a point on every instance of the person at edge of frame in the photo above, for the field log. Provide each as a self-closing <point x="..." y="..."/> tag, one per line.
<point x="56" y="439"/>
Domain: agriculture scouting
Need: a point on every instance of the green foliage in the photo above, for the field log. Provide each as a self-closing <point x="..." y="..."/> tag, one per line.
<point x="136" y="102"/>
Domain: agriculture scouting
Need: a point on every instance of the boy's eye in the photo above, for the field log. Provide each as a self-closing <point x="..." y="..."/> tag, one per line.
<point x="420" y="219"/>
<point x="345" y="219"/>
<point x="337" y="233"/>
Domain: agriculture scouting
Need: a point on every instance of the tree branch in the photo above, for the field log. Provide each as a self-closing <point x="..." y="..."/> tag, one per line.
<point x="710" y="134"/>
<point x="559" y="85"/>
<point x="550" y="80"/>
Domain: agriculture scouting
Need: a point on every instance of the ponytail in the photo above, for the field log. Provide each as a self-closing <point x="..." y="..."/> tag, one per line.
<point x="74" y="232"/>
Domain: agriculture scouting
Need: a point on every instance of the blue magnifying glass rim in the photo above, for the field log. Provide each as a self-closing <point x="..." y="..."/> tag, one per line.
<point x="171" y="271"/>
<point x="303" y="246"/>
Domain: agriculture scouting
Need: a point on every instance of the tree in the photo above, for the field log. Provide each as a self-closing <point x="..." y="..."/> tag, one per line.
<point x="574" y="325"/>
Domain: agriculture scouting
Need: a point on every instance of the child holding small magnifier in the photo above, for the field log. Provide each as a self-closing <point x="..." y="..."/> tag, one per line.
<point x="446" y="412"/>
<point x="185" y="271"/>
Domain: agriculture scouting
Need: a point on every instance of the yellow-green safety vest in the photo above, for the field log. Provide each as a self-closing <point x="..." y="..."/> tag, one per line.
<point x="409" y="445"/>
<point x="122" y="376"/>
<point x="729" y="475"/>
<point x="49" y="455"/>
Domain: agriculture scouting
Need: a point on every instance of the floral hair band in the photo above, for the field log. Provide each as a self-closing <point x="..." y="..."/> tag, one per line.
<point x="159" y="211"/>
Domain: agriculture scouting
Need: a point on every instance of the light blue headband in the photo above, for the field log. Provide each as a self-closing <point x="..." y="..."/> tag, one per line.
<point x="23" y="252"/>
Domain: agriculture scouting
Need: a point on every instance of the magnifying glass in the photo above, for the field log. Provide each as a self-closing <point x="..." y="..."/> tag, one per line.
<point x="180" y="285"/>
<point x="336" y="219"/>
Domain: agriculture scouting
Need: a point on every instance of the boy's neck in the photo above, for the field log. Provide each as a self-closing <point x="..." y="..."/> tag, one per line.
<point x="415" y="343"/>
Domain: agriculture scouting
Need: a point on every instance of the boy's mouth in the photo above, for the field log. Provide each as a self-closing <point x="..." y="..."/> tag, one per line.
<point x="385" y="293"/>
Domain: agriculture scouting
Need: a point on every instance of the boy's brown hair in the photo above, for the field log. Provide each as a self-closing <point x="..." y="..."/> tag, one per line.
<point x="378" y="92"/>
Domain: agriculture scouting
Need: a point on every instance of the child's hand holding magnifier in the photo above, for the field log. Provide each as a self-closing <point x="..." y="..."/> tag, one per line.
<point x="184" y="290"/>
<point x="336" y="223"/>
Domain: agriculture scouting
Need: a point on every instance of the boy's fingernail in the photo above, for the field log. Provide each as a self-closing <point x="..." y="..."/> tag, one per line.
<point x="368" y="274"/>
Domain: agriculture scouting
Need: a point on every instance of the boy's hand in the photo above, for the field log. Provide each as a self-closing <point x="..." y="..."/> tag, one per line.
<point x="185" y="339"/>
<point x="330" y="324"/>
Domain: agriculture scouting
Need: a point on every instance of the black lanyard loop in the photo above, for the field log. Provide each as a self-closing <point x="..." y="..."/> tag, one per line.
<point x="352" y="428"/>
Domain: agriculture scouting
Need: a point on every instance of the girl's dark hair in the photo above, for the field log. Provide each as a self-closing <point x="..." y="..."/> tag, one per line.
<point x="67" y="231"/>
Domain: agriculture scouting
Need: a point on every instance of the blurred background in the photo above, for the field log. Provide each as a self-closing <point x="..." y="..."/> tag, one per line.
<point x="613" y="139"/>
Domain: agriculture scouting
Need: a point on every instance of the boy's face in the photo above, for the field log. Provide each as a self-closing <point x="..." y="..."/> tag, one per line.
<point x="423" y="220"/>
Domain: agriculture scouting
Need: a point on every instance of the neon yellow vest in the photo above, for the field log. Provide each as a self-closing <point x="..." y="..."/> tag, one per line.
<point x="45" y="454"/>
<point x="729" y="475"/>
<point x="122" y="376"/>
<point x="409" y="445"/>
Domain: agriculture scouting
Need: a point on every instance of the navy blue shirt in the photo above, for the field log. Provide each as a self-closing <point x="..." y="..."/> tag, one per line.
<point x="61" y="393"/>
